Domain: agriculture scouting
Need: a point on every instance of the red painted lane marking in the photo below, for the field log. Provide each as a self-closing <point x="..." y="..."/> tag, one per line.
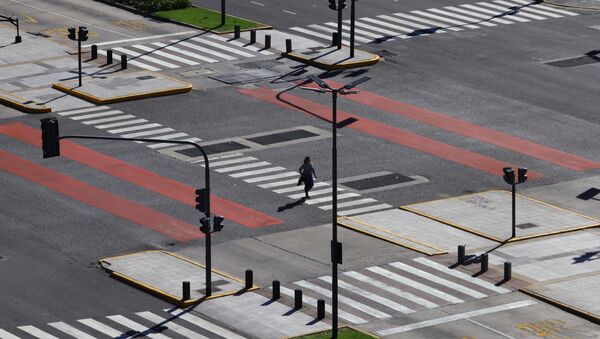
<point x="170" y="188"/>
<point x="101" y="199"/>
<point x="470" y="130"/>
<point x="399" y="136"/>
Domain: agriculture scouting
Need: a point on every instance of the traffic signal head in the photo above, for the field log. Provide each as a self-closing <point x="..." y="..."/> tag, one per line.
<point x="341" y="4"/>
<point x="83" y="33"/>
<point x="522" y="175"/>
<point x="201" y="200"/>
<point x="509" y="175"/>
<point x="72" y="35"/>
<point x="205" y="225"/>
<point x="50" y="137"/>
<point x="218" y="223"/>
<point x="332" y="4"/>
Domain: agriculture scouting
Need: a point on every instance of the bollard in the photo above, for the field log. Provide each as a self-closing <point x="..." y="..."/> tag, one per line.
<point x="109" y="58"/>
<point x="507" y="271"/>
<point x="18" y="39"/>
<point x="297" y="299"/>
<point x="123" y="61"/>
<point x="484" y="262"/>
<point x="320" y="309"/>
<point x="288" y="45"/>
<point x="94" y="52"/>
<point x="461" y="254"/>
<point x="186" y="291"/>
<point x="236" y="31"/>
<point x="334" y="39"/>
<point x="276" y="293"/>
<point x="249" y="279"/>
<point x="252" y="36"/>
<point x="267" y="41"/>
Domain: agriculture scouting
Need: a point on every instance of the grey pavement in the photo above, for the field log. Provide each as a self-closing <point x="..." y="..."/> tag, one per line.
<point x="333" y="58"/>
<point x="31" y="48"/>
<point x="593" y="4"/>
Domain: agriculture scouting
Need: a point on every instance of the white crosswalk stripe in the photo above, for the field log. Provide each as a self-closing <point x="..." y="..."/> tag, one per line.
<point x="70" y="330"/>
<point x="299" y="188"/>
<point x="36" y="332"/>
<point x="95" y="115"/>
<point x="436" y="20"/>
<point x="348" y="203"/>
<point x="255" y="172"/>
<point x="155" y="51"/>
<point x="206" y="50"/>
<point x="218" y="330"/>
<point x="223" y="47"/>
<point x="6" y="335"/>
<point x="376" y="292"/>
<point x="364" y="209"/>
<point x="117" y="118"/>
<point x="240" y="44"/>
<point x="326" y="199"/>
<point x="184" y="52"/>
<point x="100" y="327"/>
<point x="83" y="110"/>
<point x="273" y="177"/>
<point x="171" y="326"/>
<point x="214" y="164"/>
<point x="122" y="123"/>
<point x="314" y="193"/>
<point x="241" y="167"/>
<point x="133" y="128"/>
<point x="145" y="57"/>
<point x="136" y="326"/>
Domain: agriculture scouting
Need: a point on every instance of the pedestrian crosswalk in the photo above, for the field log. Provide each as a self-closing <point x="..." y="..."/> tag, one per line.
<point x="192" y="51"/>
<point x="381" y="292"/>
<point x="436" y="20"/>
<point x="172" y="323"/>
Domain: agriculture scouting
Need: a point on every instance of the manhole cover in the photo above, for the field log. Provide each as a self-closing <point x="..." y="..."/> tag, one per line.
<point x="260" y="64"/>
<point x="282" y="137"/>
<point x="574" y="62"/>
<point x="526" y="225"/>
<point x="249" y="75"/>
<point x="377" y="181"/>
<point x="213" y="149"/>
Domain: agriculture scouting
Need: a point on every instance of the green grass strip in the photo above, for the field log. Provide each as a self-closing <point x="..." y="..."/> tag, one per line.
<point x="343" y="333"/>
<point x="208" y="19"/>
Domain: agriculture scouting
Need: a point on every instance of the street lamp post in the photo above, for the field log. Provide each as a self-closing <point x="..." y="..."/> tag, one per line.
<point x="222" y="12"/>
<point x="51" y="148"/>
<point x="352" y="24"/>
<point x="511" y="179"/>
<point x="336" y="247"/>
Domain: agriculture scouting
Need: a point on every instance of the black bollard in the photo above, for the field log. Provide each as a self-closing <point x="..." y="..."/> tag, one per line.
<point x="276" y="289"/>
<point x="249" y="279"/>
<point x="267" y="41"/>
<point x="186" y="291"/>
<point x="297" y="299"/>
<point x="18" y="39"/>
<point x="94" y="52"/>
<point x="334" y="39"/>
<point x="484" y="262"/>
<point x="252" y="36"/>
<point x="236" y="31"/>
<point x="320" y="309"/>
<point x="461" y="254"/>
<point x="109" y="57"/>
<point x="288" y="45"/>
<point x="123" y="61"/>
<point x="507" y="271"/>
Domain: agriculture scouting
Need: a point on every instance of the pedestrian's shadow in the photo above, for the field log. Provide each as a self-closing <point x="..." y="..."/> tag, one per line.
<point x="291" y="205"/>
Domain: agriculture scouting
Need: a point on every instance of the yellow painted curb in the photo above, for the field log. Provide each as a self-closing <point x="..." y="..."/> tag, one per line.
<point x="21" y="106"/>
<point x="167" y="296"/>
<point x="339" y="327"/>
<point x="437" y="252"/>
<point x="326" y="66"/>
<point x="136" y="96"/>
<point x="565" y="307"/>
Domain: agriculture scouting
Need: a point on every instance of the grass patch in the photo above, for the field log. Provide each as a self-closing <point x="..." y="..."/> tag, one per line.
<point x="208" y="19"/>
<point x="343" y="333"/>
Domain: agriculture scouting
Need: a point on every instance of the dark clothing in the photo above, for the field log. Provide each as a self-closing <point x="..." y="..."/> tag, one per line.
<point x="306" y="176"/>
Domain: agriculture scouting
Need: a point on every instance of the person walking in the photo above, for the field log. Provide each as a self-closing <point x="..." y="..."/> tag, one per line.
<point x="306" y="175"/>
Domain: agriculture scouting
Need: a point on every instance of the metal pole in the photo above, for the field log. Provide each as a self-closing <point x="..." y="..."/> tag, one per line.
<point x="222" y="12"/>
<point x="514" y="215"/>
<point x="339" y="28"/>
<point x="334" y="250"/>
<point x="352" y="19"/>
<point x="79" y="53"/>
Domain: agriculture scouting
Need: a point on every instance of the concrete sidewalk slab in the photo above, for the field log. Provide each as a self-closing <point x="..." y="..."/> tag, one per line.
<point x="331" y="58"/>
<point x="488" y="214"/>
<point x="118" y="87"/>
<point x="22" y="103"/>
<point x="162" y="273"/>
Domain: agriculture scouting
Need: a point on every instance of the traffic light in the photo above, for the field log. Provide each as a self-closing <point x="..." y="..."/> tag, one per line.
<point x="522" y="175"/>
<point x="218" y="223"/>
<point x="50" y="137"/>
<point x="72" y="35"/>
<point x="205" y="228"/>
<point x="341" y="4"/>
<point x="332" y="4"/>
<point x="83" y="33"/>
<point x="509" y="175"/>
<point x="201" y="200"/>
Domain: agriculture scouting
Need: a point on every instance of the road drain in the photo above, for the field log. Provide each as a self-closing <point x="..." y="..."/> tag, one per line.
<point x="276" y="138"/>
<point x="574" y="62"/>
<point x="380" y="181"/>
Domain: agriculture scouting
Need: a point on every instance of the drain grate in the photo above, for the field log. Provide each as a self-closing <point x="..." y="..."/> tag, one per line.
<point x="526" y="225"/>
<point x="276" y="138"/>
<point x="378" y="181"/>
<point x="213" y="149"/>
<point x="574" y="62"/>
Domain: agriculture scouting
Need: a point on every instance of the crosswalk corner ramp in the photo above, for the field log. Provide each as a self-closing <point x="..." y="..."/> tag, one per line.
<point x="331" y="58"/>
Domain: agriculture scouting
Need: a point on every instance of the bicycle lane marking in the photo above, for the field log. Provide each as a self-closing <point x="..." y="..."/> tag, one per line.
<point x="383" y="131"/>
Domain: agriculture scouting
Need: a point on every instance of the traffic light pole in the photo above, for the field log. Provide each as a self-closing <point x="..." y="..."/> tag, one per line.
<point x="514" y="208"/>
<point x="352" y="24"/>
<point x="79" y="54"/>
<point x="334" y="242"/>
<point x="206" y="184"/>
<point x="339" y="28"/>
<point x="222" y="12"/>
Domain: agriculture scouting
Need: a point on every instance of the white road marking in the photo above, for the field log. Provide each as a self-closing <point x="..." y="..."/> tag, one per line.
<point x="166" y="55"/>
<point x="316" y="34"/>
<point x="240" y="44"/>
<point x="375" y="28"/>
<point x="479" y="15"/>
<point x="387" y="24"/>
<point x="358" y="31"/>
<point x="503" y="12"/>
<point x="241" y="167"/>
<point x="518" y="10"/>
<point x="143" y="134"/>
<point x="182" y="314"/>
<point x="119" y="117"/>
<point x="135" y="63"/>
<point x="461" y="17"/>
<point x="414" y="284"/>
<point x="429" y="22"/>
<point x="325" y="199"/>
<point x="256" y="3"/>
<point x="364" y="209"/>
<point x="299" y="188"/>
<point x="184" y="52"/>
<point x="289" y="12"/>
<point x="206" y="50"/>
<point x="6" y="335"/>
<point x="171" y="325"/>
<point x="123" y="123"/>
<point x="272" y="177"/>
<point x="133" y="128"/>
<point x="70" y="330"/>
<point x="308" y="300"/>
<point x="437" y="17"/>
<point x="547" y="8"/>
<point x="100" y="327"/>
<point x="232" y="161"/>
<point x="167" y="137"/>
<point x="95" y="115"/>
<point x="171" y="136"/>
<point x="455" y="317"/>
<point x="494" y="13"/>
<point x="136" y="326"/>
<point x="529" y="9"/>
<point x="139" y="39"/>
<point x="318" y="192"/>
<point x="404" y="22"/>
<point x="223" y="47"/>
<point x="349" y="203"/>
<point x="83" y="110"/>
<point x="36" y="332"/>
<point x="145" y="57"/>
<point x="260" y="171"/>
<point x="489" y="328"/>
